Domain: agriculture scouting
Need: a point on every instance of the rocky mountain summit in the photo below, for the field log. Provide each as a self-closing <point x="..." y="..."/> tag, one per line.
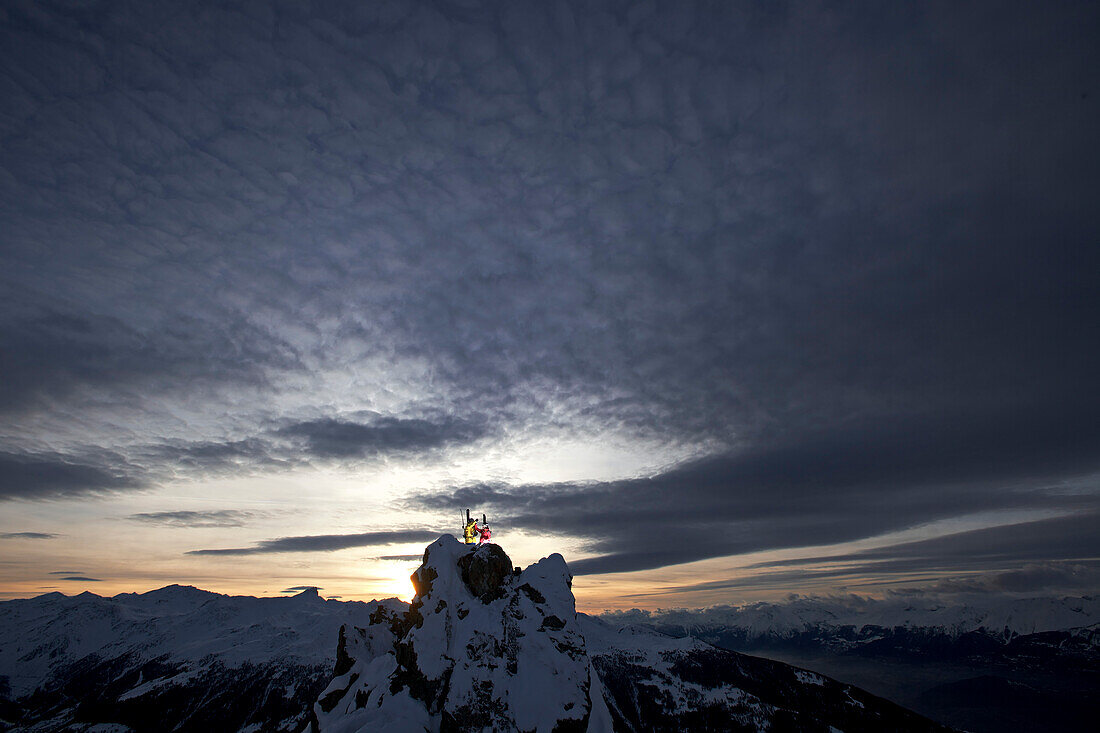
<point x="482" y="645"/>
<point x="485" y="646"/>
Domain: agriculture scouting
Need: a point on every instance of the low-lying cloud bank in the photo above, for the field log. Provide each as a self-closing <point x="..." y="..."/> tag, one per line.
<point x="950" y="614"/>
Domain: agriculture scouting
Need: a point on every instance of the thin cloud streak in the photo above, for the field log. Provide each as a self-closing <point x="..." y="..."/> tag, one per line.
<point x="82" y="578"/>
<point x="212" y="518"/>
<point x="1060" y="552"/>
<point x="324" y="543"/>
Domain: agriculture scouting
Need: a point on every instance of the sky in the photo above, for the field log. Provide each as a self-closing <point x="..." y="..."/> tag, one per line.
<point x="722" y="301"/>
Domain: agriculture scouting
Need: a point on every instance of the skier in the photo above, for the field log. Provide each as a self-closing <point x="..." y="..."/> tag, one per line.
<point x="469" y="532"/>
<point x="485" y="532"/>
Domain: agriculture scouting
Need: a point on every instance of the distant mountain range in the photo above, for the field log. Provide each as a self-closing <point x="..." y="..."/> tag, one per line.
<point x="992" y="664"/>
<point x="201" y="660"/>
<point x="482" y="645"/>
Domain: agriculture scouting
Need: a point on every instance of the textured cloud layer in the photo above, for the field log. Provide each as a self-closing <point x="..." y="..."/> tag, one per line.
<point x="844" y="257"/>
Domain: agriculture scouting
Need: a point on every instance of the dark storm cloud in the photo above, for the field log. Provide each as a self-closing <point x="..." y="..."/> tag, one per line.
<point x="330" y="438"/>
<point x="819" y="488"/>
<point x="324" y="543"/>
<point x="29" y="476"/>
<point x="213" y="518"/>
<point x="748" y="228"/>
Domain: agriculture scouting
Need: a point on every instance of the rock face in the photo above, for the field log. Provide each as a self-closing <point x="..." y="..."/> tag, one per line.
<point x="481" y="646"/>
<point x="484" y="571"/>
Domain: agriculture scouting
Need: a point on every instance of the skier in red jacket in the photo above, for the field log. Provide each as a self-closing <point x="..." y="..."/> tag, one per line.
<point x="486" y="534"/>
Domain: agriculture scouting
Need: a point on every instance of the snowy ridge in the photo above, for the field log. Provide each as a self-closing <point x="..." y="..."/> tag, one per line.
<point x="177" y="641"/>
<point x="180" y="623"/>
<point x="643" y="649"/>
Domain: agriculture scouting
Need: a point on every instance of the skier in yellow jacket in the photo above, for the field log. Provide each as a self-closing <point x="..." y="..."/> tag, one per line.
<point x="470" y="533"/>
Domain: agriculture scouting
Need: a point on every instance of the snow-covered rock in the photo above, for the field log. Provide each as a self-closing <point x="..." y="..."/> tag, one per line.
<point x="481" y="645"/>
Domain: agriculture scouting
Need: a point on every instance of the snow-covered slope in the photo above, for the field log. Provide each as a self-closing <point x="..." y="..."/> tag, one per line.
<point x="654" y="682"/>
<point x="485" y="647"/>
<point x="178" y="652"/>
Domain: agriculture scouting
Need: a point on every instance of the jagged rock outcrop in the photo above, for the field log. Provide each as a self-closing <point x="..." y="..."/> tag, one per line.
<point x="481" y="646"/>
<point x="484" y="571"/>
